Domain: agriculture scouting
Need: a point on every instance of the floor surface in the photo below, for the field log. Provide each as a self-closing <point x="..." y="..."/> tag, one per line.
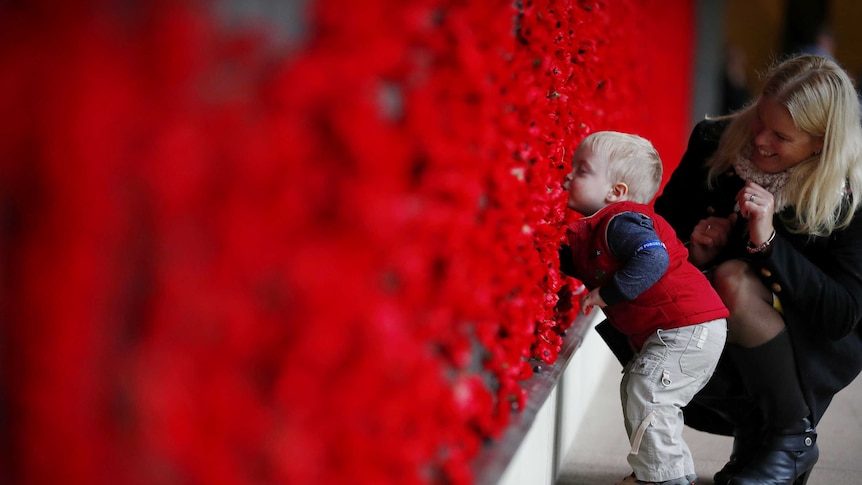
<point x="598" y="457"/>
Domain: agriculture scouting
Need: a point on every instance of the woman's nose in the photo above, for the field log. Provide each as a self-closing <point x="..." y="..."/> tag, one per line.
<point x="760" y="137"/>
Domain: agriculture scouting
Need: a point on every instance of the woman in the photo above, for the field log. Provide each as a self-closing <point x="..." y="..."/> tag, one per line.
<point x="767" y="199"/>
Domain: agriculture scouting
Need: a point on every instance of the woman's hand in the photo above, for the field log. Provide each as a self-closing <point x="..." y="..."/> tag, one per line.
<point x="758" y="206"/>
<point x="709" y="237"/>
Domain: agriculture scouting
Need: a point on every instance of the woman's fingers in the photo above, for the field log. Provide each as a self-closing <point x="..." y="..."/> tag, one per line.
<point x="758" y="206"/>
<point x="754" y="201"/>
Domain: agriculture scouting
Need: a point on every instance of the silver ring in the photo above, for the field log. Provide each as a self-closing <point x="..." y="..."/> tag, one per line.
<point x="751" y="198"/>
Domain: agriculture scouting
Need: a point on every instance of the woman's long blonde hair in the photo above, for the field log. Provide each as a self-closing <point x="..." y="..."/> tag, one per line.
<point x="823" y="102"/>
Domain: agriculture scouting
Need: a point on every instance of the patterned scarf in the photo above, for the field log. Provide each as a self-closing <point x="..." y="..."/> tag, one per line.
<point x="772" y="182"/>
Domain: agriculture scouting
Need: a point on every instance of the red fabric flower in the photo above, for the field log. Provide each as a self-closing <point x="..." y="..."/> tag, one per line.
<point x="227" y="260"/>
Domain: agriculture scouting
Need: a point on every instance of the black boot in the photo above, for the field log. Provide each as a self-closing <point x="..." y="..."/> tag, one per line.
<point x="724" y="399"/>
<point x="784" y="459"/>
<point x="747" y="442"/>
<point x="789" y="450"/>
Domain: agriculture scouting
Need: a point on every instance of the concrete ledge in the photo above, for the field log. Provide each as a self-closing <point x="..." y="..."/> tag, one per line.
<point x="534" y="444"/>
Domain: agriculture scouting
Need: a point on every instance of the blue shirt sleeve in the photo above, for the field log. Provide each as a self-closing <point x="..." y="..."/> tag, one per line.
<point x="632" y="238"/>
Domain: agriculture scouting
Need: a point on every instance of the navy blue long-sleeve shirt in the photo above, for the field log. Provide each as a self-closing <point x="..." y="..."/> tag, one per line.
<point x="632" y="238"/>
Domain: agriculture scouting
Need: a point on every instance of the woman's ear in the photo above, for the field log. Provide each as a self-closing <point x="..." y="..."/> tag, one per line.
<point x="618" y="192"/>
<point x="818" y="147"/>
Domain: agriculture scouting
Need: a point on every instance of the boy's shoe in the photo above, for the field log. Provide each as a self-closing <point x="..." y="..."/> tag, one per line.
<point x="686" y="480"/>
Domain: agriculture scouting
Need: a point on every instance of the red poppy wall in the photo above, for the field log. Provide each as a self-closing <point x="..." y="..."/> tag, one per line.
<point x="227" y="260"/>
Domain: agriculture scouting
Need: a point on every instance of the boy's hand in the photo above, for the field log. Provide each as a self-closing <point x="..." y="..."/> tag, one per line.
<point x="591" y="299"/>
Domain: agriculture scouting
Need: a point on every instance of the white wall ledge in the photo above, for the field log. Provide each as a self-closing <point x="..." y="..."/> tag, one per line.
<point x="534" y="444"/>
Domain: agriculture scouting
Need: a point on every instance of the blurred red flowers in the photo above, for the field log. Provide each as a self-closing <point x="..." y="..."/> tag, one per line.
<point x="228" y="264"/>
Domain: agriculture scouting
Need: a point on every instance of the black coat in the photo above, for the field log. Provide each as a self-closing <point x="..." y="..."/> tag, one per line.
<point x="817" y="279"/>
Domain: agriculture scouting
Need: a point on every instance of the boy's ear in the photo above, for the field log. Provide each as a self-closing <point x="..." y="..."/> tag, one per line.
<point x="618" y="192"/>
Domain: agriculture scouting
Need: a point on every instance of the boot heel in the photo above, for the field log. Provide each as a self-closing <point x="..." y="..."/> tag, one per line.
<point x="802" y="479"/>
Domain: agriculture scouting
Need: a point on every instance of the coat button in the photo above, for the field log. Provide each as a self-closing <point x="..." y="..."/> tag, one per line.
<point x="765" y="272"/>
<point x="776" y="288"/>
<point x="808" y="441"/>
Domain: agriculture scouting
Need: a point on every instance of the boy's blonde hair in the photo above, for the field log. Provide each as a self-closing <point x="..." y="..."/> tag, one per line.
<point x="822" y="101"/>
<point x="631" y="159"/>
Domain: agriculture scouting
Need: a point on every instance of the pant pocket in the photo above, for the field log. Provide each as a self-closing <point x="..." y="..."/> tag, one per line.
<point x="644" y="364"/>
<point x="695" y="360"/>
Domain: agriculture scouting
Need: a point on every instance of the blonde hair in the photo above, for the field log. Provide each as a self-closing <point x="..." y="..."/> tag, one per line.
<point x="822" y="102"/>
<point x="631" y="160"/>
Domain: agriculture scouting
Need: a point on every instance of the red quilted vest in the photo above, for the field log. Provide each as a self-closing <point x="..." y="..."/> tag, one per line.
<point x="682" y="296"/>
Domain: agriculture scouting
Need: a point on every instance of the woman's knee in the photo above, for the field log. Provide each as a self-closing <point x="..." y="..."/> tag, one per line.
<point x="732" y="280"/>
<point x="738" y="285"/>
<point x="752" y="318"/>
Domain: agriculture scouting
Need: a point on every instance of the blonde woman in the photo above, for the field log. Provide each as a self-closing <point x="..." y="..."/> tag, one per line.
<point x="767" y="199"/>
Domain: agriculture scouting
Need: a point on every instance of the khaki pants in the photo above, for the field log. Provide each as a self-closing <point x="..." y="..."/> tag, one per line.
<point x="672" y="366"/>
